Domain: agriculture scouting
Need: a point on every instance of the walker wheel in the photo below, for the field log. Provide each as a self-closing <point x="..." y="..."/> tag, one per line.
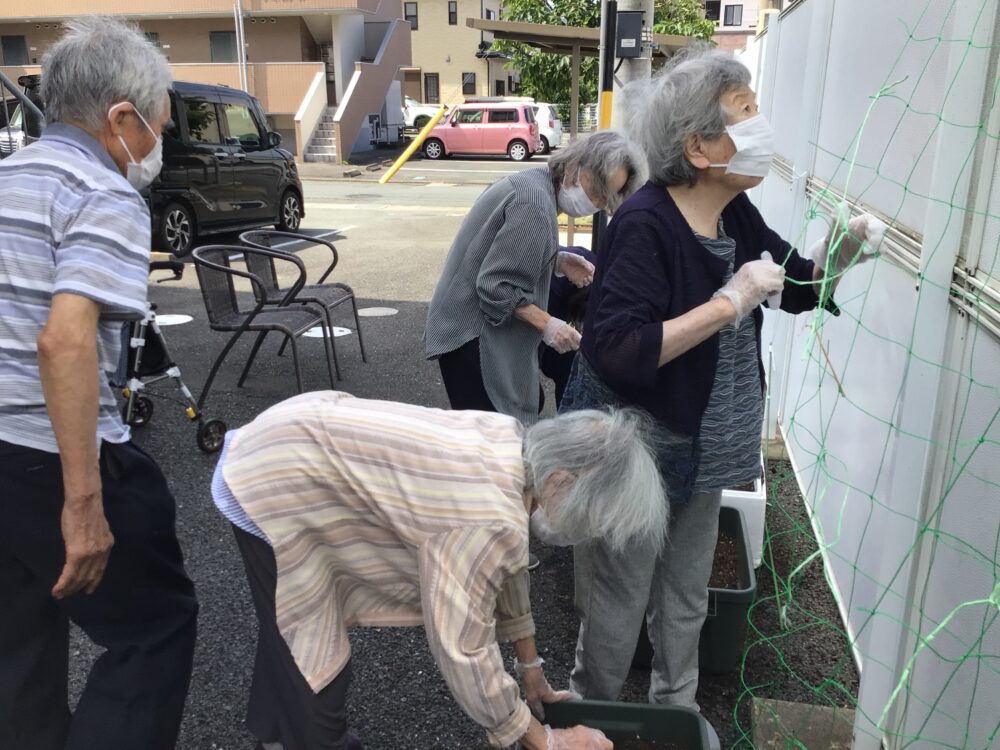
<point x="142" y="411"/>
<point x="212" y="435"/>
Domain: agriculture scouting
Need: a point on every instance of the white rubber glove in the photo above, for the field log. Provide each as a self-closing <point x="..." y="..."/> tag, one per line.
<point x="576" y="268"/>
<point x="753" y="283"/>
<point x="537" y="691"/>
<point x="774" y="301"/>
<point x="577" y="738"/>
<point x="561" y="336"/>
<point x="854" y="242"/>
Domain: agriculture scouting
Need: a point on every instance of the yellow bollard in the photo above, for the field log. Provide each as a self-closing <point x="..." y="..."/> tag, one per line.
<point x="411" y="149"/>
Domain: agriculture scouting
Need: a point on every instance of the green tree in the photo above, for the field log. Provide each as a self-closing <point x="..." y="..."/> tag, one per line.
<point x="683" y="17"/>
<point x="547" y="76"/>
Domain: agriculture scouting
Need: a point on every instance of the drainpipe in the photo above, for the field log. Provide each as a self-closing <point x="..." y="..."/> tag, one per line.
<point x="241" y="50"/>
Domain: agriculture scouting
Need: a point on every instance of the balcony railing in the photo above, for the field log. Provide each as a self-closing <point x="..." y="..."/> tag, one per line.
<point x="280" y="87"/>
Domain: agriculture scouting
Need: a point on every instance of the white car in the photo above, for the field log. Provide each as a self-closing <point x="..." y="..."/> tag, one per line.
<point x="549" y="126"/>
<point x="415" y="114"/>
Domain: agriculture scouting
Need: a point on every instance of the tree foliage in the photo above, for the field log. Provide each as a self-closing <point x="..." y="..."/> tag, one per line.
<point x="547" y="76"/>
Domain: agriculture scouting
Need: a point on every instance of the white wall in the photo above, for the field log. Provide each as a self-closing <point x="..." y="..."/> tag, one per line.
<point x="348" y="47"/>
<point x="880" y="416"/>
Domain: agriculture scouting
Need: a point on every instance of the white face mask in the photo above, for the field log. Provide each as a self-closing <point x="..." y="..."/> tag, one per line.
<point x="141" y="173"/>
<point x="543" y="531"/>
<point x="754" y="142"/>
<point x="573" y="201"/>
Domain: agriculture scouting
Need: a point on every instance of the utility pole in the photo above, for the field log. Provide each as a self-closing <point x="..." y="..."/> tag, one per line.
<point x="632" y="68"/>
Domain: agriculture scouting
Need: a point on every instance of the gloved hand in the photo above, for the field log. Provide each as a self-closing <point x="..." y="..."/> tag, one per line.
<point x="561" y="336"/>
<point x="853" y="242"/>
<point x="753" y="283"/>
<point x="577" y="738"/>
<point x="537" y="691"/>
<point x="576" y="268"/>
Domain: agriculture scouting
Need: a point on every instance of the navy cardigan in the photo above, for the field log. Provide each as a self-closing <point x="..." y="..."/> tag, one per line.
<point x="652" y="268"/>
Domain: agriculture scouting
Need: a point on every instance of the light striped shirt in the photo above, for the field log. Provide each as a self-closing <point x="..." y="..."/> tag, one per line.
<point x="502" y="259"/>
<point x="388" y="514"/>
<point x="69" y="224"/>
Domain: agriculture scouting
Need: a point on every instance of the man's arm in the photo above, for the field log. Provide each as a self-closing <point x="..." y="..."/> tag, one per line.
<point x="67" y="363"/>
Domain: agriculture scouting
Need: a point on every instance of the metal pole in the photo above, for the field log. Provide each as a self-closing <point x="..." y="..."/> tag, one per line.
<point x="636" y="68"/>
<point x="574" y="124"/>
<point x="241" y="51"/>
<point x="605" y="80"/>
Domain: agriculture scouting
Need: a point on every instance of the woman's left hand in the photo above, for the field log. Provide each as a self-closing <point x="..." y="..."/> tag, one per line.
<point x="538" y="692"/>
<point x="576" y="268"/>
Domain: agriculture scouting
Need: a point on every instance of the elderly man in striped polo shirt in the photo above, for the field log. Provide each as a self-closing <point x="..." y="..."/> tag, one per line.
<point x="349" y="511"/>
<point x="86" y="519"/>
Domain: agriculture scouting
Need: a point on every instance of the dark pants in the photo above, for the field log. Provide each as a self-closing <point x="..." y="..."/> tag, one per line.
<point x="462" y="374"/>
<point x="283" y="708"/>
<point x="143" y="612"/>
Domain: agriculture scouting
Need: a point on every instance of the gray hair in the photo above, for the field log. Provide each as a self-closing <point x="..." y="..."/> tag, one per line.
<point x="618" y="492"/>
<point x="680" y="101"/>
<point x="99" y="62"/>
<point x="601" y="154"/>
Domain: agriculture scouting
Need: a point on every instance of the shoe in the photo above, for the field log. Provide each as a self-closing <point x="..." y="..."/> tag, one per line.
<point x="533" y="561"/>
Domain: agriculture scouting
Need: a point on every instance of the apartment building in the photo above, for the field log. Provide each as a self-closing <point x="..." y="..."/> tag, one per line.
<point x="736" y="21"/>
<point x="450" y="60"/>
<point x="320" y="68"/>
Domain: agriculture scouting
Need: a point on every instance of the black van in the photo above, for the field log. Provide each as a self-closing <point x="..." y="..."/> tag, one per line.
<point x="222" y="170"/>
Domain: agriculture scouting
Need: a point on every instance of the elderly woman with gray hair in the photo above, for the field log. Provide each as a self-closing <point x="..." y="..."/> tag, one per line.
<point x="487" y="316"/>
<point x="673" y="327"/>
<point x="350" y="512"/>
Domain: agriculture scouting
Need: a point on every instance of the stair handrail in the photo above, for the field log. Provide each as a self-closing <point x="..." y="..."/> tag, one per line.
<point x="310" y="114"/>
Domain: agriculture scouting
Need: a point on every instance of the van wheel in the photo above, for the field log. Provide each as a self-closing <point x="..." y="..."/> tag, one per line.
<point x="545" y="145"/>
<point x="518" y="151"/>
<point x="434" y="149"/>
<point x="290" y="212"/>
<point x="177" y="230"/>
<point x="421" y="121"/>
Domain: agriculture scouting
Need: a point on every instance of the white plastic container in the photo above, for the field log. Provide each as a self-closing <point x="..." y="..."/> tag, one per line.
<point x="754" y="506"/>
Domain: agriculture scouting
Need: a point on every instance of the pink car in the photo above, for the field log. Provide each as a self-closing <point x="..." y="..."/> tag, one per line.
<point x="486" y="128"/>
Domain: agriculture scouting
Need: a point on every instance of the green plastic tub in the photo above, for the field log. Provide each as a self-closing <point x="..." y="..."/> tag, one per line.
<point x="721" y="646"/>
<point x="682" y="727"/>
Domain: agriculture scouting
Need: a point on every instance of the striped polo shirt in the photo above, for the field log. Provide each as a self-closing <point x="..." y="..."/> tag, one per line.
<point x="69" y="224"/>
<point x="389" y="514"/>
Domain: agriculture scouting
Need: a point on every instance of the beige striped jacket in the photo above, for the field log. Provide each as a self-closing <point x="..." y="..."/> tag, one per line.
<point x="388" y="514"/>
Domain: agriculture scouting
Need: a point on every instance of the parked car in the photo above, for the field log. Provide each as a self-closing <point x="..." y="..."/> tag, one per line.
<point x="415" y="114"/>
<point x="22" y="127"/>
<point x="486" y="128"/>
<point x="222" y="170"/>
<point x="549" y="126"/>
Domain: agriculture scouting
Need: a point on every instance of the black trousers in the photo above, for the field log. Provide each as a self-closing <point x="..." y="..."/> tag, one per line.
<point x="283" y="708"/>
<point x="143" y="612"/>
<point x="462" y="374"/>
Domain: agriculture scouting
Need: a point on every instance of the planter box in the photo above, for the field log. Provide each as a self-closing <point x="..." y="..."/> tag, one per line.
<point x="682" y="727"/>
<point x="721" y="645"/>
<point x="753" y="503"/>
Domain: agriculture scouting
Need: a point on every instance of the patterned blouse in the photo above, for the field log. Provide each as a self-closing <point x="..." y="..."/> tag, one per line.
<point x="388" y="514"/>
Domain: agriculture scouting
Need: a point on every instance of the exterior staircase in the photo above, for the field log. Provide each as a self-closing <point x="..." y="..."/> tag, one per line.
<point x="322" y="146"/>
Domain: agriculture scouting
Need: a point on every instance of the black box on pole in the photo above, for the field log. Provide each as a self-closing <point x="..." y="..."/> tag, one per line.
<point x="629" y="41"/>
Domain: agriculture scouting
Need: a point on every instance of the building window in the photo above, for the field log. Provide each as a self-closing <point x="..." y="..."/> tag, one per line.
<point x="410" y="14"/>
<point x="223" y="44"/>
<point x="712" y="10"/>
<point x="153" y="37"/>
<point x="469" y="84"/>
<point x="453" y="12"/>
<point x="14" y="49"/>
<point x="734" y="15"/>
<point x="501" y="89"/>
<point x="490" y="14"/>
<point x="432" y="88"/>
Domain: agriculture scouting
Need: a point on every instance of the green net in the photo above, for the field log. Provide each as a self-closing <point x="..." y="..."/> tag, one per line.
<point x="930" y="560"/>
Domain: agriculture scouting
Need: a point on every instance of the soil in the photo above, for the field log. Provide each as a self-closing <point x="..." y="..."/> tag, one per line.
<point x="725" y="568"/>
